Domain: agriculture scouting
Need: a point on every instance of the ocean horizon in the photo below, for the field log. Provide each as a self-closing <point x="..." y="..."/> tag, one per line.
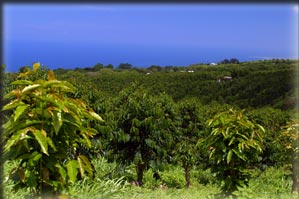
<point x="70" y="55"/>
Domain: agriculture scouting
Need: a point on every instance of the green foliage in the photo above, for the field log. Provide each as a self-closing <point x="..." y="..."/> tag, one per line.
<point x="189" y="129"/>
<point x="45" y="128"/>
<point x="235" y="143"/>
<point x="253" y="84"/>
<point x="274" y="153"/>
<point x="291" y="137"/>
<point x="205" y="176"/>
<point x="98" y="188"/>
<point x="174" y="177"/>
<point x="271" y="183"/>
<point x="143" y="129"/>
<point x="2" y="67"/>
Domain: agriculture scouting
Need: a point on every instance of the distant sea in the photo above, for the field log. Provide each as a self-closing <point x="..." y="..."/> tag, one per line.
<point x="70" y="55"/>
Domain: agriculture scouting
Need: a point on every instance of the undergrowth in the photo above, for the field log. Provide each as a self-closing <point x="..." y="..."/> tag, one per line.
<point x="113" y="181"/>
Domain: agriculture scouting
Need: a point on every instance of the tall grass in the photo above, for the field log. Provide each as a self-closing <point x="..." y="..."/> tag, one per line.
<point x="113" y="181"/>
<point x="98" y="188"/>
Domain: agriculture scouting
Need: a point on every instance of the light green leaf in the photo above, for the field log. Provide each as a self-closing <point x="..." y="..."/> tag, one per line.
<point x="30" y="87"/>
<point x="20" y="110"/>
<point x="57" y="121"/>
<point x="22" y="82"/>
<point x="96" y="116"/>
<point x="42" y="140"/>
<point x="12" y="104"/>
<point x="84" y="164"/>
<point x="72" y="170"/>
<point x="36" y="156"/>
<point x="16" y="137"/>
<point x="52" y="83"/>
<point x="11" y="142"/>
<point x="61" y="171"/>
<point x="81" y="166"/>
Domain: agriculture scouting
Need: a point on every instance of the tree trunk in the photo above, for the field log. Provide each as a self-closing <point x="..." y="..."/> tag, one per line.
<point x="140" y="169"/>
<point x="187" y="174"/>
<point x="295" y="174"/>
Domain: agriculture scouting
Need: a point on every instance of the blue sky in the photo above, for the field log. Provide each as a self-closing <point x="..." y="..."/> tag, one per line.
<point x="81" y="35"/>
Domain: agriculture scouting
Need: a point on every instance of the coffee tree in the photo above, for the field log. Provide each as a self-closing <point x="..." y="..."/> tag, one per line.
<point x="44" y="128"/>
<point x="143" y="131"/>
<point x="234" y="142"/>
<point x="189" y="130"/>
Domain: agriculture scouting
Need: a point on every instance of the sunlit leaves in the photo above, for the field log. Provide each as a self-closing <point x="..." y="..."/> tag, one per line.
<point x="57" y="121"/>
<point x="30" y="87"/>
<point x="72" y="170"/>
<point x="234" y="142"/>
<point x="40" y="136"/>
<point x="84" y="165"/>
<point x="44" y="123"/>
<point x="96" y="116"/>
<point x="19" y="110"/>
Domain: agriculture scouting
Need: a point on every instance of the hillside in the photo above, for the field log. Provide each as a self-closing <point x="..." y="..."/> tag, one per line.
<point x="247" y="84"/>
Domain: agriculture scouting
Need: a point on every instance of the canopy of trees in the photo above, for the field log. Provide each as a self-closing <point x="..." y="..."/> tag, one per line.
<point x="152" y="117"/>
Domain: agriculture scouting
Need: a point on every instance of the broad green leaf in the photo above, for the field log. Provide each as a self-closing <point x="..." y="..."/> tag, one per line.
<point x="16" y="137"/>
<point x="72" y="170"/>
<point x="63" y="85"/>
<point x="52" y="83"/>
<point x="20" y="110"/>
<point x="42" y="140"/>
<point x="22" y="82"/>
<point x="30" y="87"/>
<point x="12" y="94"/>
<point x="12" y="104"/>
<point x="34" y="156"/>
<point x="62" y="171"/>
<point x="57" y="121"/>
<point x="10" y="143"/>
